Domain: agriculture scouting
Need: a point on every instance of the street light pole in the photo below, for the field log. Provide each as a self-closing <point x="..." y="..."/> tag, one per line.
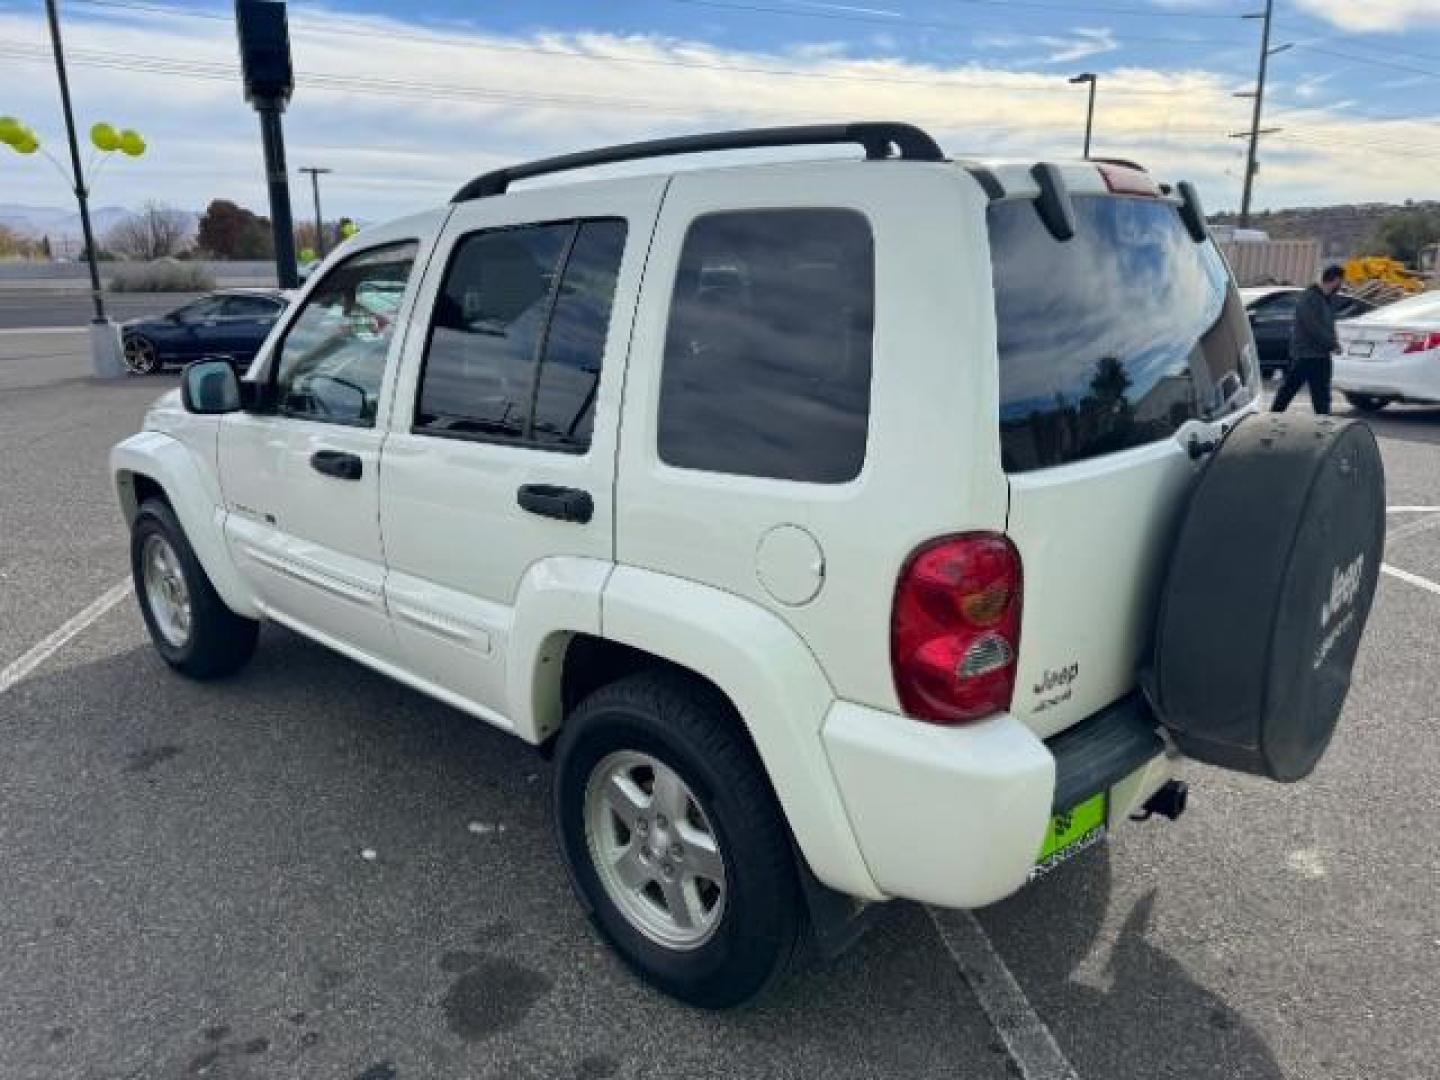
<point x="319" y="219"/>
<point x="1092" y="79"/>
<point x="79" y="177"/>
<point x="106" y="352"/>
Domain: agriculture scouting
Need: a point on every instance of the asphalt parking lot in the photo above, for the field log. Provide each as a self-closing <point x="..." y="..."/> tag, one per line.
<point x="187" y="893"/>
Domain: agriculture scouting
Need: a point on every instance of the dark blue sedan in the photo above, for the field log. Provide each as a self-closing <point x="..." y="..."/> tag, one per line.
<point x="230" y="325"/>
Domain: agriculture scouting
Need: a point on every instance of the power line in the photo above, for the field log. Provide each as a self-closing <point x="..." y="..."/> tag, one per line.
<point x="951" y="83"/>
<point x="905" y="22"/>
<point x="1429" y="74"/>
<point x="143" y="64"/>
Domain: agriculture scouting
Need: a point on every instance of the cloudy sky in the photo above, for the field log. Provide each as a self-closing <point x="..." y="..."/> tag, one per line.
<point x="407" y="100"/>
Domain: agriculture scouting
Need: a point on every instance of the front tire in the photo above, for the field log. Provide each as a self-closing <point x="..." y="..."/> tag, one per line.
<point x="1366" y="403"/>
<point x="141" y="357"/>
<point x="674" y="841"/>
<point x="190" y="626"/>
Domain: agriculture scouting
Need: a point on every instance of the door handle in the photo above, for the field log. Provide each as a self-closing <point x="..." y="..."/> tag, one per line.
<point x="337" y="463"/>
<point x="561" y="503"/>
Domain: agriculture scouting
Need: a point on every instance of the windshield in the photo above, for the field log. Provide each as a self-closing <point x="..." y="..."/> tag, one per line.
<point x="1114" y="338"/>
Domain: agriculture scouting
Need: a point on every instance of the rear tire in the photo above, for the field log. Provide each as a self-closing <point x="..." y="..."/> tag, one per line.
<point x="141" y="357"/>
<point x="1366" y="403"/>
<point x="746" y="926"/>
<point x="192" y="629"/>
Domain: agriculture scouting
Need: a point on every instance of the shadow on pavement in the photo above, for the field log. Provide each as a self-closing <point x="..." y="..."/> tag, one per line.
<point x="310" y="870"/>
<point x="1139" y="1015"/>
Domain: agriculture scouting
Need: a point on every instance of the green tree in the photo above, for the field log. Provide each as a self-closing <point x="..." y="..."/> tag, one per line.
<point x="229" y="231"/>
<point x="1403" y="234"/>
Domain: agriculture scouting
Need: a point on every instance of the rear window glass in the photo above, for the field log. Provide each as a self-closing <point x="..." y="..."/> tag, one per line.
<point x="1114" y="338"/>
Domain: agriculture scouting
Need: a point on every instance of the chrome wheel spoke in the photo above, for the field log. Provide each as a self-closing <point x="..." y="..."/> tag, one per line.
<point x="702" y="855"/>
<point x="683" y="906"/>
<point x="633" y="873"/>
<point x="626" y="800"/>
<point x="671" y="798"/>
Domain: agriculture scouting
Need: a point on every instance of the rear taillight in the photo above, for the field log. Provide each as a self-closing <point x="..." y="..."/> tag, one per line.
<point x="955" y="629"/>
<point x="1413" y="341"/>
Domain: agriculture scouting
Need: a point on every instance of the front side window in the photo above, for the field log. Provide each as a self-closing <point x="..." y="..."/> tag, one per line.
<point x="250" y="307"/>
<point x="211" y="307"/>
<point x="332" y="362"/>
<point x="518" y="335"/>
<point x="1114" y="338"/>
<point x="768" y="351"/>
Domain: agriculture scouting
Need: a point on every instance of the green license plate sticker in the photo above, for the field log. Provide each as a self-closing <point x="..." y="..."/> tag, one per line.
<point x="1072" y="832"/>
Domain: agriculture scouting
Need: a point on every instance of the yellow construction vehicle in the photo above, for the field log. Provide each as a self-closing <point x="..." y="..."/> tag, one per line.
<point x="1380" y="279"/>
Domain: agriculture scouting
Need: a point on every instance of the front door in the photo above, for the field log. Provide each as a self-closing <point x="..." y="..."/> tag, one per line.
<point x="501" y="459"/>
<point x="301" y="484"/>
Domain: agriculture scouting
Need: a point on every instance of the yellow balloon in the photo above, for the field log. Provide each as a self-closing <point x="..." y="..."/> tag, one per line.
<point x="104" y="137"/>
<point x="11" y="130"/>
<point x="131" y="143"/>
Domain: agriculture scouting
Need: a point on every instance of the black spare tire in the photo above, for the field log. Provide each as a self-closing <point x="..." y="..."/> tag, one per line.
<point x="1267" y="592"/>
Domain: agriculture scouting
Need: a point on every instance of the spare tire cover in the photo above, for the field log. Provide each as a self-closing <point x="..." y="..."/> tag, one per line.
<point x="1267" y="592"/>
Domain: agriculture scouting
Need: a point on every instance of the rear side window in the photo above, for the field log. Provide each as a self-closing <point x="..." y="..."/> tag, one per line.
<point x="1114" y="338"/>
<point x="768" y="349"/>
<point x="518" y="334"/>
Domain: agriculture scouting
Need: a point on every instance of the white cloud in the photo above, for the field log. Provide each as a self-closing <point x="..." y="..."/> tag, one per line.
<point x="1374" y="15"/>
<point x="405" y="115"/>
<point x="1085" y="42"/>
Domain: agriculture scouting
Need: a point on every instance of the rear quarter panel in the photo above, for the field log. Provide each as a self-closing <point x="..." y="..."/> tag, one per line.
<point x="932" y="457"/>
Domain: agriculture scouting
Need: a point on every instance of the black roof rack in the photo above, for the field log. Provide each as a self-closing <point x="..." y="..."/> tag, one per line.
<point x="1122" y="162"/>
<point x="876" y="137"/>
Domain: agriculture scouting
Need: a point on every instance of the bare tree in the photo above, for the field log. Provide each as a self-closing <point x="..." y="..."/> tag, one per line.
<point x="154" y="233"/>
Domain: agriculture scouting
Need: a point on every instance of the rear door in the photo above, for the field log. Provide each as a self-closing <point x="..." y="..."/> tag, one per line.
<point x="245" y="322"/>
<point x="1117" y="349"/>
<point x="502" y="452"/>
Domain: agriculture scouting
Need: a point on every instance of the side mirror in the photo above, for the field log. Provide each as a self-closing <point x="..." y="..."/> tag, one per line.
<point x="208" y="387"/>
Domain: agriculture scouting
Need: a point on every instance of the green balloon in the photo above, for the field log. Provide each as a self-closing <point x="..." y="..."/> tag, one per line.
<point x="104" y="137"/>
<point x="28" y="145"/>
<point x="11" y="130"/>
<point x="131" y="143"/>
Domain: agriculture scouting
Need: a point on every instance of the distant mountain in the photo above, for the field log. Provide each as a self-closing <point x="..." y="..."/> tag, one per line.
<point x="1343" y="231"/>
<point x="63" y="225"/>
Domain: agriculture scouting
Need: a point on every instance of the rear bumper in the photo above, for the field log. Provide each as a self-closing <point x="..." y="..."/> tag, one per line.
<point x="1409" y="379"/>
<point x="955" y="816"/>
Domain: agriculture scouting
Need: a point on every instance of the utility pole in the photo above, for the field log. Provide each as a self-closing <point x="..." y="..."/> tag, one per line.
<point x="1092" y="79"/>
<point x="1252" y="166"/>
<point x="105" y="355"/>
<point x="319" y="220"/>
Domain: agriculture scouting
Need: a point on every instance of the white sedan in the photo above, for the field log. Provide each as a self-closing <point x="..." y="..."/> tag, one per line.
<point x="1391" y="354"/>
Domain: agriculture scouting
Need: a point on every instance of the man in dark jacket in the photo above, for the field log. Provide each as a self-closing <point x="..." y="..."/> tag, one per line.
<point x="1312" y="344"/>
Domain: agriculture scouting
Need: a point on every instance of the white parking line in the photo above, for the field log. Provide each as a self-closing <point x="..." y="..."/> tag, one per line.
<point x="44" y="330"/>
<point x="53" y="642"/>
<point x="1033" y="1049"/>
<point x="1412" y="509"/>
<point x="1409" y="578"/>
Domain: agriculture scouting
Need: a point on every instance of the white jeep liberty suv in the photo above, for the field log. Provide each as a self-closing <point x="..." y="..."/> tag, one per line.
<point x="847" y="529"/>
